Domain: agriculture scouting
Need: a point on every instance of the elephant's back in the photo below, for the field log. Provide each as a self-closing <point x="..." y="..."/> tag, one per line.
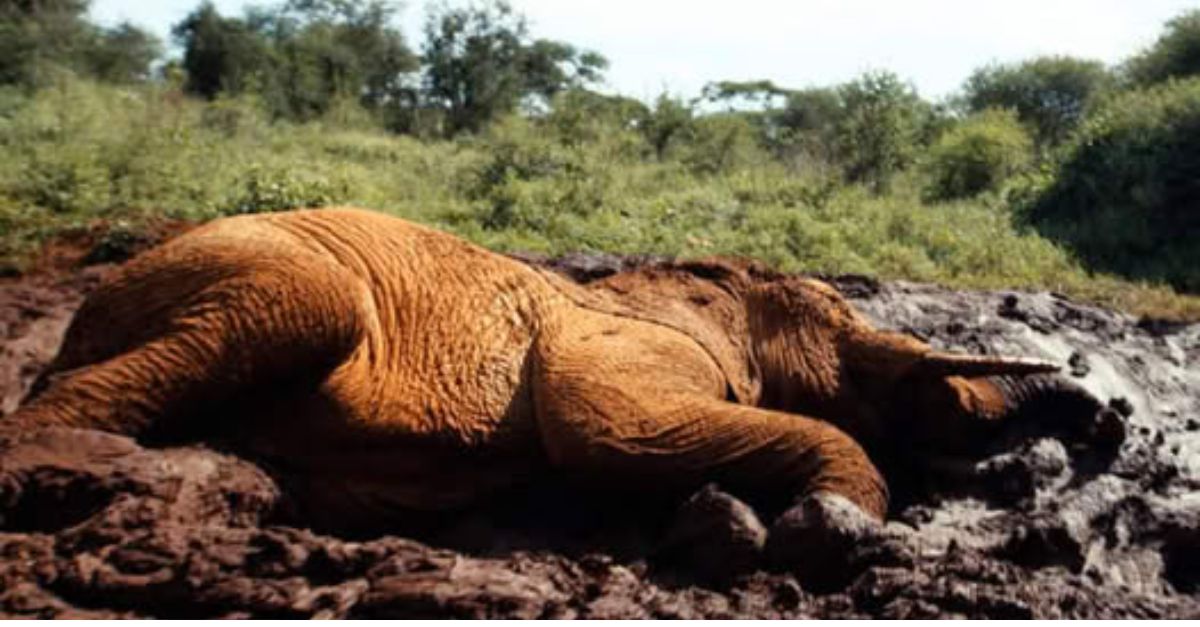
<point x="448" y="325"/>
<point x="168" y="288"/>
<point x="453" y="326"/>
<point x="389" y="252"/>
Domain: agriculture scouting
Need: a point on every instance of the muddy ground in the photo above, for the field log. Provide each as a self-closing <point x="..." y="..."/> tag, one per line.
<point x="93" y="525"/>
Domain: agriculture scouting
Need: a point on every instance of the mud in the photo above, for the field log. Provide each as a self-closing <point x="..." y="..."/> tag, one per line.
<point x="1037" y="525"/>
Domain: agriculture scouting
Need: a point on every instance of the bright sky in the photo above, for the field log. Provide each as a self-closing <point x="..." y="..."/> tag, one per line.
<point x="680" y="45"/>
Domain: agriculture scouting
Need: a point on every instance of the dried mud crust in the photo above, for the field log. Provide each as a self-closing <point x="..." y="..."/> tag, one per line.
<point x="94" y="525"/>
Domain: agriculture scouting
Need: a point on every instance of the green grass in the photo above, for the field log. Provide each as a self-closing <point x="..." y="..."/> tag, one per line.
<point x="81" y="153"/>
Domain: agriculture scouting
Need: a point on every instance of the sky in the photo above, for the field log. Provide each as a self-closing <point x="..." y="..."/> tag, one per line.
<point x="656" y="46"/>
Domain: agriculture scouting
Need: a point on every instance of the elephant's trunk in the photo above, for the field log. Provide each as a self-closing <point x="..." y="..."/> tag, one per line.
<point x="959" y="401"/>
<point x="1041" y="394"/>
<point x="1045" y="404"/>
<point x="1059" y="405"/>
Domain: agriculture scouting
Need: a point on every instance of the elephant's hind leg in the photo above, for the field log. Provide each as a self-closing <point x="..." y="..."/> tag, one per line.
<point x="652" y="439"/>
<point x="268" y="323"/>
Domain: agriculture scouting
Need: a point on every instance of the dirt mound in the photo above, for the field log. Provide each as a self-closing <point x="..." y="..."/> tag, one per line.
<point x="34" y="313"/>
<point x="94" y="525"/>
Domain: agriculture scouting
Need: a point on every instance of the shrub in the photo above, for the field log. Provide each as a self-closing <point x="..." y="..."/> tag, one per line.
<point x="528" y="177"/>
<point x="516" y="150"/>
<point x="721" y="142"/>
<point x="234" y="115"/>
<point x="1127" y="196"/>
<point x="978" y="155"/>
<point x="579" y="116"/>
<point x="65" y="181"/>
<point x="280" y="189"/>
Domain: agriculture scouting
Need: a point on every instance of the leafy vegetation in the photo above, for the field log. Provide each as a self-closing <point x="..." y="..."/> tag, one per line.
<point x="1042" y="175"/>
<point x="978" y="155"/>
<point x="40" y="38"/>
<point x="1049" y="94"/>
<point x="1176" y="54"/>
<point x="481" y="63"/>
<point x="1128" y="193"/>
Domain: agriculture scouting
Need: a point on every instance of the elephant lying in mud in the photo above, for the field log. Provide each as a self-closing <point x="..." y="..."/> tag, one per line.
<point x="390" y="367"/>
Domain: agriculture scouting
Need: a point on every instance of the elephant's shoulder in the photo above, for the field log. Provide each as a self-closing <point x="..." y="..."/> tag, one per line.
<point x="704" y="314"/>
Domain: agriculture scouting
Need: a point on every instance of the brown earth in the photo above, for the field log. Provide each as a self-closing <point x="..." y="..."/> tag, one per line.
<point x="94" y="525"/>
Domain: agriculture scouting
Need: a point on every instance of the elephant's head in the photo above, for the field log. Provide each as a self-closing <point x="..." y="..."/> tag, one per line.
<point x="819" y="357"/>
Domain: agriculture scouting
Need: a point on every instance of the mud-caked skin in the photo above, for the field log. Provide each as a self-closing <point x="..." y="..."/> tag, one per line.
<point x="384" y="367"/>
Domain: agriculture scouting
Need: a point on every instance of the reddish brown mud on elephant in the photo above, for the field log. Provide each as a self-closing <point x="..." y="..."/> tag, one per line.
<point x="401" y="367"/>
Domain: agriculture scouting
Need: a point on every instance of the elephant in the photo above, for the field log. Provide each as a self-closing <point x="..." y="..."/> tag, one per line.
<point x="392" y="367"/>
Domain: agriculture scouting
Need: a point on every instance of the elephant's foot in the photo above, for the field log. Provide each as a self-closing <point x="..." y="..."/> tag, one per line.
<point x="715" y="537"/>
<point x="826" y="541"/>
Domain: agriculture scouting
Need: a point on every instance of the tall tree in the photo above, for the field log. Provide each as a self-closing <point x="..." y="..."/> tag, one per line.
<point x="1051" y="95"/>
<point x="879" y="128"/>
<point x="549" y="67"/>
<point x="355" y="46"/>
<point x="471" y="62"/>
<point x="480" y="63"/>
<point x="1176" y="54"/>
<point x="222" y="54"/>
<point x="669" y="121"/>
<point x="760" y="94"/>
<point x="302" y="56"/>
<point x="124" y="54"/>
<point x="812" y="112"/>
<point x="38" y="35"/>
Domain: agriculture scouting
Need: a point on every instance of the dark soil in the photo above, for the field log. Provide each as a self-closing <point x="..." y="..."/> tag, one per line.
<point x="94" y="525"/>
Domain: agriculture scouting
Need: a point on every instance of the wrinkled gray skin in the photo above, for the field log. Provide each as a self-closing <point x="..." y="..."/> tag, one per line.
<point x="1035" y="523"/>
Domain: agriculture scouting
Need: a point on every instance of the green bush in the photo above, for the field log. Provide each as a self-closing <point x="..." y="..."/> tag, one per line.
<point x="579" y="116"/>
<point x="281" y="189"/>
<point x="234" y="115"/>
<point x="1127" y="196"/>
<point x="721" y="143"/>
<point x="529" y="176"/>
<point x="65" y="181"/>
<point x="978" y="155"/>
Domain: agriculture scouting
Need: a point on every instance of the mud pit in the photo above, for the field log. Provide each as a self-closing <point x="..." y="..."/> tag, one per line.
<point x="93" y="525"/>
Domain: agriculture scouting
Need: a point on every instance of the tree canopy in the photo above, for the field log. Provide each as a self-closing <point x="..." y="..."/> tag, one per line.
<point x="301" y="57"/>
<point x="1051" y="95"/>
<point x="480" y="63"/>
<point x="37" y="36"/>
<point x="1176" y="54"/>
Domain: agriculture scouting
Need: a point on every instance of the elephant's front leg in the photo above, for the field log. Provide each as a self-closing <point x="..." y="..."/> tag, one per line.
<point x="633" y="432"/>
<point x="648" y="414"/>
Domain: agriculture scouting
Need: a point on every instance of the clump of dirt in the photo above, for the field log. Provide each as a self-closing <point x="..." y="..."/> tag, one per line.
<point x="34" y="313"/>
<point x="94" y="525"/>
<point x="102" y="242"/>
